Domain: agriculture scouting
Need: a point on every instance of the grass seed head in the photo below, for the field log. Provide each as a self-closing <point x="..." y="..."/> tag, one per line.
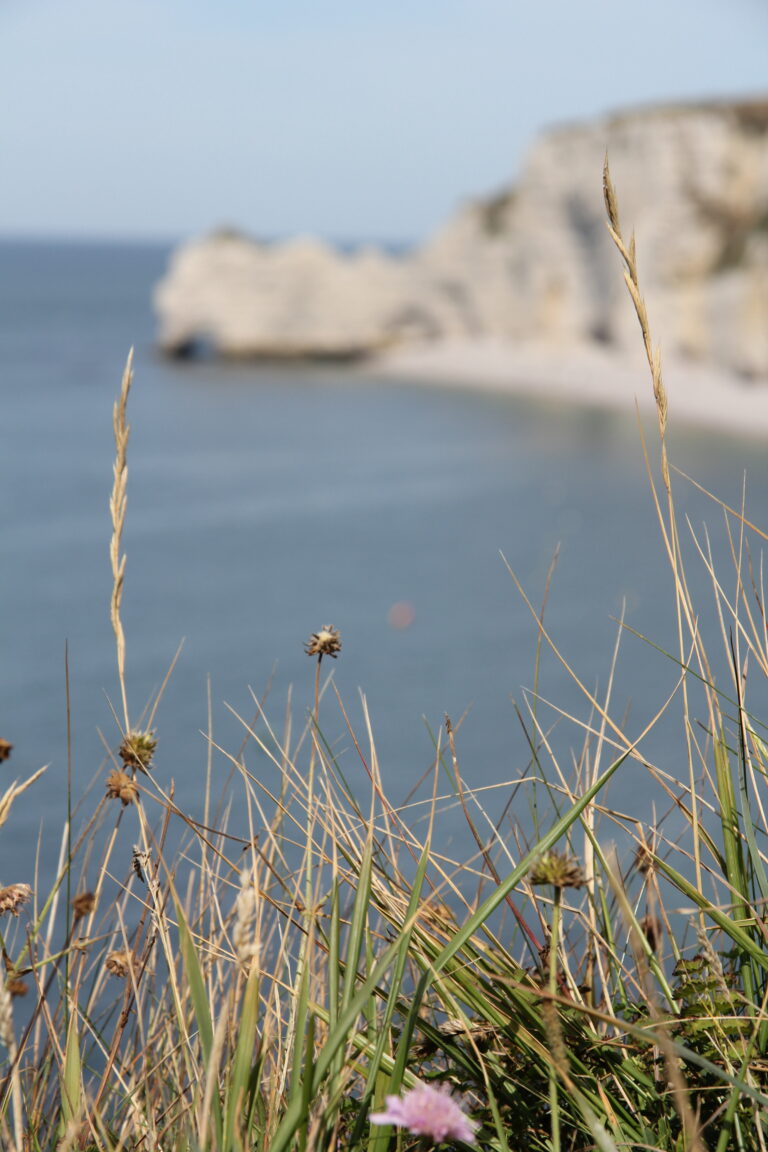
<point x="325" y="642"/>
<point x="651" y="928"/>
<point x="137" y="750"/>
<point x="6" y="1017"/>
<point x="140" y="862"/>
<point x="245" y="933"/>
<point x="643" y="859"/>
<point x="559" y="869"/>
<point x="120" y="962"/>
<point x="121" y="786"/>
<point x="83" y="905"/>
<point x="12" y="897"/>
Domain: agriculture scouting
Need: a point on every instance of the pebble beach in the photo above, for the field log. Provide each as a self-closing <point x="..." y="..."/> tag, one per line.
<point x="698" y="394"/>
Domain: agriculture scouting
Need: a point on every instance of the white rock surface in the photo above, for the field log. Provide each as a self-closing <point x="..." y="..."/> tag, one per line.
<point x="297" y="299"/>
<point x="533" y="263"/>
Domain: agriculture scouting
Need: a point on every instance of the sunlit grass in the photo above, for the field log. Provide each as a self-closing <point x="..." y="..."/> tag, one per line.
<point x="192" y="987"/>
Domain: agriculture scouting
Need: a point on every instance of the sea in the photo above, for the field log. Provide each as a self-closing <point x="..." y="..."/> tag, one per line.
<point x="265" y="502"/>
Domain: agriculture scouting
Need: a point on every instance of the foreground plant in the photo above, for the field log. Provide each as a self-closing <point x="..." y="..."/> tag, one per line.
<point x="428" y="1111"/>
<point x="326" y="642"/>
<point x="314" y="963"/>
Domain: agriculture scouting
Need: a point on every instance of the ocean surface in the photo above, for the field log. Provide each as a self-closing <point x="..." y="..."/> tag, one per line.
<point x="266" y="502"/>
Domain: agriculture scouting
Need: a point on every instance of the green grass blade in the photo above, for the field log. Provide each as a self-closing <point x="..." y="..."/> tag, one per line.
<point x="494" y="899"/>
<point x="71" y="1085"/>
<point x="200" y="1008"/>
<point x="196" y="986"/>
<point x="240" y="1077"/>
<point x="729" y="821"/>
<point x="359" y="920"/>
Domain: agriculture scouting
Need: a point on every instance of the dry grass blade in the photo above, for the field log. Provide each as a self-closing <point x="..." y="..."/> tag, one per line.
<point x="679" y="1095"/>
<point x="8" y="797"/>
<point x="683" y="602"/>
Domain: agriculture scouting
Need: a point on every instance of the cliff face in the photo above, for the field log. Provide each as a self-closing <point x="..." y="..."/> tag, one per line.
<point x="693" y="182"/>
<point x="534" y="262"/>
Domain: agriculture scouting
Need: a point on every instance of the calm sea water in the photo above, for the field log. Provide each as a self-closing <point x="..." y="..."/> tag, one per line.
<point x="264" y="503"/>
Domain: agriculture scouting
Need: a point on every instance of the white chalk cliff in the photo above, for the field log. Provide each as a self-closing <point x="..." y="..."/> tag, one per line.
<point x="532" y="263"/>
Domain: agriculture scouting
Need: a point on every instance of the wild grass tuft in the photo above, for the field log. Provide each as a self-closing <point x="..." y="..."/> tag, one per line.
<point x="267" y="983"/>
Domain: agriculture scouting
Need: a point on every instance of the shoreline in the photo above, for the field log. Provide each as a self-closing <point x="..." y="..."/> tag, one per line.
<point x="587" y="375"/>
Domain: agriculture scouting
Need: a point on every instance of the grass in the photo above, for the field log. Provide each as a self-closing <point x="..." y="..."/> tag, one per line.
<point x="269" y="991"/>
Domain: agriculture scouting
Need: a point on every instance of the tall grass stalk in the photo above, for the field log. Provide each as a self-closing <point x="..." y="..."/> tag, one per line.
<point x="117" y="506"/>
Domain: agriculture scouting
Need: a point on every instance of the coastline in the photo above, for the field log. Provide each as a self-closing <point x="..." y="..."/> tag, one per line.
<point x="591" y="375"/>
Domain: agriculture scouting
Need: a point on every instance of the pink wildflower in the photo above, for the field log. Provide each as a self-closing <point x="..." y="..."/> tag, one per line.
<point x="428" y="1111"/>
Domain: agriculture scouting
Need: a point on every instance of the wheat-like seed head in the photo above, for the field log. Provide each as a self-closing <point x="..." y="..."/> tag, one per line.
<point x="6" y="1017"/>
<point x="246" y="932"/>
<point x="117" y="507"/>
<point x="631" y="278"/>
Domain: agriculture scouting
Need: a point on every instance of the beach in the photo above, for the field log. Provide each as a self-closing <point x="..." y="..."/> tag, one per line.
<point x="592" y="375"/>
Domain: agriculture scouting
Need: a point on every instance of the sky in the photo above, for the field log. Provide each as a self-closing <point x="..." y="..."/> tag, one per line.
<point x="350" y="119"/>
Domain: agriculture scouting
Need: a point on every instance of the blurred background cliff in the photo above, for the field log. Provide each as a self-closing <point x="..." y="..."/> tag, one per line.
<point x="532" y="262"/>
<point x="409" y="127"/>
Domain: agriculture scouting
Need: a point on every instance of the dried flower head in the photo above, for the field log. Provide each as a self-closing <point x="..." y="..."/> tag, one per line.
<point x="558" y="869"/>
<point x="651" y="928"/>
<point x="121" y="786"/>
<point x="83" y="905"/>
<point x="120" y="962"/>
<point x="326" y="642"/>
<point x="137" y="750"/>
<point x="5" y="750"/>
<point x="12" y="897"/>
<point x="643" y="859"/>
<point x="428" y="1111"/>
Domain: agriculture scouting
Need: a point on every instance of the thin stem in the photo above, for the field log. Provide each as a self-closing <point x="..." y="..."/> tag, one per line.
<point x="553" y="947"/>
<point x="308" y="888"/>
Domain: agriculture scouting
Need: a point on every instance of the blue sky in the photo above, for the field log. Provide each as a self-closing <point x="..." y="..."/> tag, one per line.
<point x="347" y="118"/>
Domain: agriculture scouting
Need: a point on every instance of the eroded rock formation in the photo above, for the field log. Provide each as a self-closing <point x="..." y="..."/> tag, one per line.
<point x="533" y="262"/>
